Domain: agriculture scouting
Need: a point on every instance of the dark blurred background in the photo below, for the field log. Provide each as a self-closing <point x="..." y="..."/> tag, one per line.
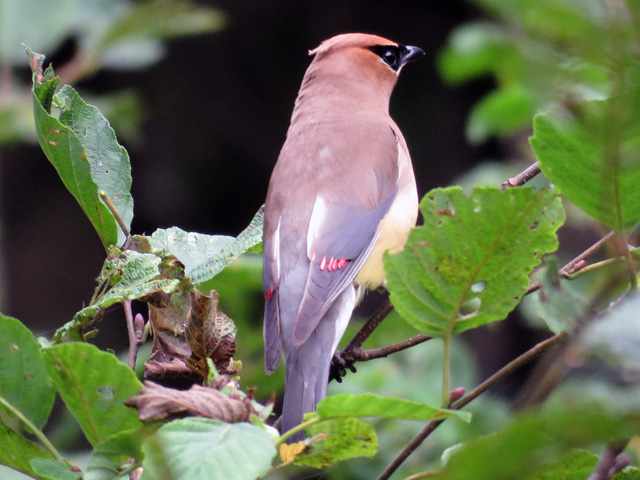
<point x="216" y="109"/>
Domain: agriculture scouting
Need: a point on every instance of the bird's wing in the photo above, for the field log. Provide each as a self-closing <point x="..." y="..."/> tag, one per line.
<point x="339" y="241"/>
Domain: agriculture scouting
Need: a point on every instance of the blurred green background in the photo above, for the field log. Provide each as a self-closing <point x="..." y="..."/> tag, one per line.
<point x="200" y="94"/>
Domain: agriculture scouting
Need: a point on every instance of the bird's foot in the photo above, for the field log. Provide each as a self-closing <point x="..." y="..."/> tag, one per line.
<point x="339" y="366"/>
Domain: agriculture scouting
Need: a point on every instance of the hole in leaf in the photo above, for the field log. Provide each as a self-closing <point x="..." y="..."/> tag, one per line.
<point x="470" y="307"/>
<point x="477" y="208"/>
<point x="534" y="225"/>
<point x="107" y="392"/>
<point x="478" y="286"/>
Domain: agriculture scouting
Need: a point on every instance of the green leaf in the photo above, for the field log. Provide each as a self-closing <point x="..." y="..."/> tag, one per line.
<point x="162" y="19"/>
<point x="537" y="439"/>
<point x="248" y="238"/>
<point x="501" y="112"/>
<point x="577" y="465"/>
<point x="68" y="154"/>
<point x="557" y="302"/>
<point x="94" y="385"/>
<point x="44" y="24"/>
<point x="574" y="156"/>
<point x="53" y="469"/>
<point x="112" y="456"/>
<point x="24" y="381"/>
<point x="473" y="50"/>
<point x="345" y="438"/>
<point x="109" y="161"/>
<point x="17" y="452"/>
<point x="133" y="275"/>
<point x="207" y="450"/>
<point x="371" y="405"/>
<point x="190" y="248"/>
<point x="470" y="262"/>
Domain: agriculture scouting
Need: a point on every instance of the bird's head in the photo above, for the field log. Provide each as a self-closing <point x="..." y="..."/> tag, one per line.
<point x="358" y="62"/>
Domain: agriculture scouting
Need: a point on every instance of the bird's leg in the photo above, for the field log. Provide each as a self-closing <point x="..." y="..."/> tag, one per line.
<point x="339" y="367"/>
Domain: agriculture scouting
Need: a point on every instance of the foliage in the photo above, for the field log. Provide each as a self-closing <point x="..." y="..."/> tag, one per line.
<point x="470" y="264"/>
<point x="115" y="34"/>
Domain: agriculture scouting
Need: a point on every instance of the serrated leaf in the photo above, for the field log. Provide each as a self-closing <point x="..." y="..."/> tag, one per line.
<point x="156" y="402"/>
<point x="469" y="264"/>
<point x="207" y="450"/>
<point x="371" y="405"/>
<point x="68" y="155"/>
<point x="134" y="274"/>
<point x="16" y="451"/>
<point x="52" y="469"/>
<point x="109" y="161"/>
<point x="574" y="156"/>
<point x="248" y="238"/>
<point x="94" y="385"/>
<point x="345" y="438"/>
<point x="24" y="381"/>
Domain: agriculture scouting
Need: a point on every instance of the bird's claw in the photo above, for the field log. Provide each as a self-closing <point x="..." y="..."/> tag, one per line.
<point x="339" y="366"/>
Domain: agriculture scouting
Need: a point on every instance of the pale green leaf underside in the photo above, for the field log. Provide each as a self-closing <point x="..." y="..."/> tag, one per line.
<point x="469" y="264"/>
<point x="207" y="450"/>
<point x="248" y="238"/>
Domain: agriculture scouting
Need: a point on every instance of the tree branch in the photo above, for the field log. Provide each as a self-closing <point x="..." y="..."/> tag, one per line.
<point x="360" y="355"/>
<point x="611" y="461"/>
<point x="476" y="392"/>
<point x="522" y="178"/>
<point x="577" y="263"/>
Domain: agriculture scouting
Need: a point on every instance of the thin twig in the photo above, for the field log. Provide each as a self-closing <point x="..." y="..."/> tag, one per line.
<point x="611" y="461"/>
<point x="523" y="177"/>
<point x="359" y="355"/>
<point x="135" y="333"/>
<point x="577" y="263"/>
<point x="476" y="392"/>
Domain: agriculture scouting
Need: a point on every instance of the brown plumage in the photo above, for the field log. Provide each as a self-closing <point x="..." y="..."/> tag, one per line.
<point x="341" y="193"/>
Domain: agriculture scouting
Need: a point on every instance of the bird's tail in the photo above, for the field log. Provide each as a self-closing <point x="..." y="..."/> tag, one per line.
<point x="305" y="385"/>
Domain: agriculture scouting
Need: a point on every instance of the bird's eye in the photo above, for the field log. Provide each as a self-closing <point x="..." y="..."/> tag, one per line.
<point x="390" y="54"/>
<point x="390" y="57"/>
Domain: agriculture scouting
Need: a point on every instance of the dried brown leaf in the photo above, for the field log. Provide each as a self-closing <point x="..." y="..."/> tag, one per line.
<point x="210" y="334"/>
<point x="156" y="402"/>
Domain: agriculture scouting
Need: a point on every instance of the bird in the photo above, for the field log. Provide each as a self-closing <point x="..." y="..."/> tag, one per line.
<point x="341" y="193"/>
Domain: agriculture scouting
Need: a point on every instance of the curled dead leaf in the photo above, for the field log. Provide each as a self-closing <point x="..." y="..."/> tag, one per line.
<point x="156" y="402"/>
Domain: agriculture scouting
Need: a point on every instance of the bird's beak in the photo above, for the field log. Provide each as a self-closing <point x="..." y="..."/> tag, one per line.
<point x="411" y="54"/>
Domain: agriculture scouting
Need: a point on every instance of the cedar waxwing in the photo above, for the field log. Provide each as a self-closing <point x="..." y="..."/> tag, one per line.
<point x="342" y="192"/>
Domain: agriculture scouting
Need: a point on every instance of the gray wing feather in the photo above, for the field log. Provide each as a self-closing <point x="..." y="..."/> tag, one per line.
<point x="346" y="233"/>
